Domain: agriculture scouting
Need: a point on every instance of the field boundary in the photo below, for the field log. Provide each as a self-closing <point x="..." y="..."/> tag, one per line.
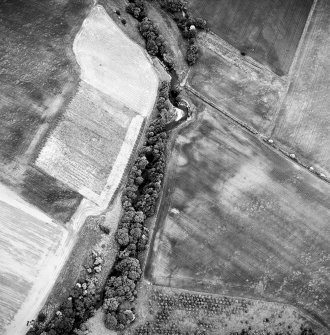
<point x="227" y="51"/>
<point x="86" y="208"/>
<point x="262" y="137"/>
<point x="293" y="66"/>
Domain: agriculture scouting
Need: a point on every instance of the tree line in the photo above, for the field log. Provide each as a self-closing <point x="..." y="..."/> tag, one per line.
<point x="139" y="201"/>
<point x="155" y="42"/>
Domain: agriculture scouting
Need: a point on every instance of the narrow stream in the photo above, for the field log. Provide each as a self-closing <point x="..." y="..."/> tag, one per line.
<point x="183" y="105"/>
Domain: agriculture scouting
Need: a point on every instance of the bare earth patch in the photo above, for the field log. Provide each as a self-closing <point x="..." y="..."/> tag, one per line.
<point x="29" y="242"/>
<point x="92" y="143"/>
<point x="114" y="64"/>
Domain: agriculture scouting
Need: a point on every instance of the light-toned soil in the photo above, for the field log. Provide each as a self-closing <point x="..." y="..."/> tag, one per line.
<point x="103" y="112"/>
<point x="84" y="146"/>
<point x="29" y="243"/>
<point x="303" y="123"/>
<point x="114" y="64"/>
<point x="96" y="325"/>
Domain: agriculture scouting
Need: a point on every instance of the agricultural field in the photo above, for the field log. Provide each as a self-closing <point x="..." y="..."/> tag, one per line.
<point x="268" y="31"/>
<point x="238" y="218"/>
<point x="102" y="122"/>
<point x="29" y="239"/>
<point x="114" y="64"/>
<point x="38" y="75"/>
<point x="235" y="85"/>
<point x="75" y="162"/>
<point x="303" y="122"/>
<point x="84" y="145"/>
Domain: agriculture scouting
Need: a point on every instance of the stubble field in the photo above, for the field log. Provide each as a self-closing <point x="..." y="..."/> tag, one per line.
<point x="28" y="240"/>
<point x="95" y="135"/>
<point x="238" y="218"/>
<point x="88" y="145"/>
<point x="268" y="31"/>
<point x="83" y="147"/>
<point x="303" y="121"/>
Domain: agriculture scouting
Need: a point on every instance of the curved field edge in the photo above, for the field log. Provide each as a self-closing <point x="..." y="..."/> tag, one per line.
<point x="43" y="286"/>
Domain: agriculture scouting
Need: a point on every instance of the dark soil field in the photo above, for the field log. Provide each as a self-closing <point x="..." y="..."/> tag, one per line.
<point x="49" y="194"/>
<point x="303" y="122"/>
<point x="236" y="86"/>
<point x="38" y="75"/>
<point x="269" y="31"/>
<point x="240" y="219"/>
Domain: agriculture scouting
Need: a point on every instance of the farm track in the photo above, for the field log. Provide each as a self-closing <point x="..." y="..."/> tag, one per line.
<point x="261" y="137"/>
<point x="94" y="207"/>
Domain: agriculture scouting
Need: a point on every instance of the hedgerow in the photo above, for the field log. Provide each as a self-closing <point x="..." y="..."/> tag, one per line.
<point x="139" y="201"/>
<point x="188" y="25"/>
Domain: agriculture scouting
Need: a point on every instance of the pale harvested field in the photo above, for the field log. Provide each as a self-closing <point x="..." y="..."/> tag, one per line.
<point x="303" y="124"/>
<point x="90" y="146"/>
<point x="114" y="64"/>
<point x="235" y="85"/>
<point x="101" y="124"/>
<point x="238" y="218"/>
<point x="28" y="240"/>
<point x="84" y="146"/>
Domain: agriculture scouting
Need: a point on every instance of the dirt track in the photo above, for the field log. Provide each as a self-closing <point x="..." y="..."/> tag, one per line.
<point x="43" y="284"/>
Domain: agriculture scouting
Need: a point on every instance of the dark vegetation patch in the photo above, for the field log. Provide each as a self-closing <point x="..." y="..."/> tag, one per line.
<point x="49" y="194"/>
<point x="268" y="31"/>
<point x="155" y="43"/>
<point x="37" y="66"/>
<point x="139" y="202"/>
<point x="15" y="121"/>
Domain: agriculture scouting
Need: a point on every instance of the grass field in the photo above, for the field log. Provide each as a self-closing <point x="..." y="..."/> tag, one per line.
<point x="28" y="239"/>
<point x="303" y="122"/>
<point x="38" y="74"/>
<point x="269" y="31"/>
<point x="237" y="218"/>
<point x="235" y="85"/>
